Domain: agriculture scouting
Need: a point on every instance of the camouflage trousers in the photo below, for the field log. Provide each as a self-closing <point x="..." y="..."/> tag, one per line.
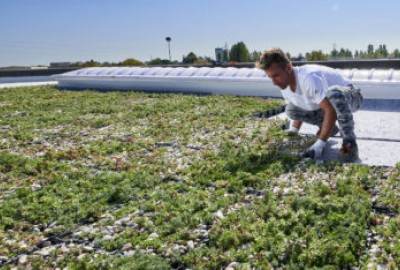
<point x="344" y="99"/>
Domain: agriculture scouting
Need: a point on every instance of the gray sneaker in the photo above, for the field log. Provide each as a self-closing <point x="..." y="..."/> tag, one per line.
<point x="349" y="151"/>
<point x="335" y="130"/>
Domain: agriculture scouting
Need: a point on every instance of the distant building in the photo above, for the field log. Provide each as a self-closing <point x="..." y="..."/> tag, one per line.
<point x="60" y="64"/>
<point x="370" y="49"/>
<point x="219" y="54"/>
<point x="222" y="54"/>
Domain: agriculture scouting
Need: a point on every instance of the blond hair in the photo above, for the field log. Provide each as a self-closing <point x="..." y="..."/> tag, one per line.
<point x="272" y="56"/>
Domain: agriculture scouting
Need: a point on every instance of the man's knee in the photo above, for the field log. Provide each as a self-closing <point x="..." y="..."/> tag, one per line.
<point x="334" y="95"/>
<point x="291" y="112"/>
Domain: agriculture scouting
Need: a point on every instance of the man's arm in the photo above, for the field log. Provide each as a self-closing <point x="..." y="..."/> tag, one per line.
<point x="297" y="124"/>
<point x="315" y="151"/>
<point x="329" y="119"/>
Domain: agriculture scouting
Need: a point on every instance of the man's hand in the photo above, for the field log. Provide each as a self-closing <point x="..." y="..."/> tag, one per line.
<point x="315" y="151"/>
<point x="291" y="131"/>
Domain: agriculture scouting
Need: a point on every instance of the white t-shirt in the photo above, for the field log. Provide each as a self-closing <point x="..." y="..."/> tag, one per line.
<point x="312" y="83"/>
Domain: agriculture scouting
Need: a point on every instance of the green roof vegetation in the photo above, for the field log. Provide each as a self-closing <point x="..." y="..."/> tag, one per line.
<point x="130" y="180"/>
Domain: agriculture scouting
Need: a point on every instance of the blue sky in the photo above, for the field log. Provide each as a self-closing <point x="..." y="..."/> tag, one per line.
<point x="37" y="32"/>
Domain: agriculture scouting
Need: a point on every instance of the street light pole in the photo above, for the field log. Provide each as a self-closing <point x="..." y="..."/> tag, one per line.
<point x="168" y="39"/>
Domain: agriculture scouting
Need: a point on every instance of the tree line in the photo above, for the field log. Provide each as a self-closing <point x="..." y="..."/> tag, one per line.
<point x="379" y="53"/>
<point x="240" y="53"/>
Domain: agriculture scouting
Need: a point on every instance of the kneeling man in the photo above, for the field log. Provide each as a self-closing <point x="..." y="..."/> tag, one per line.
<point x="317" y="95"/>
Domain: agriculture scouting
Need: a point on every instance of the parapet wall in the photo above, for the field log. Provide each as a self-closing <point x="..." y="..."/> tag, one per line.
<point x="33" y="72"/>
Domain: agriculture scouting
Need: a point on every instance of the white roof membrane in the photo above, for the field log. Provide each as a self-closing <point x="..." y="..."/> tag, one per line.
<point x="378" y="138"/>
<point x="374" y="83"/>
<point x="26" y="81"/>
